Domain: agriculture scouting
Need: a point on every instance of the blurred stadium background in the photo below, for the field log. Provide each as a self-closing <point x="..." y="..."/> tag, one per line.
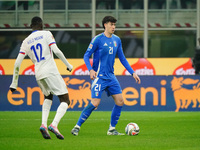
<point x="159" y="38"/>
<point x="148" y="28"/>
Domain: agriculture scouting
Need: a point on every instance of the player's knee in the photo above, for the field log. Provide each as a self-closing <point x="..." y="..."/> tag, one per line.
<point x="120" y="102"/>
<point x="50" y="97"/>
<point x="64" y="98"/>
<point x="68" y="102"/>
<point x="95" y="102"/>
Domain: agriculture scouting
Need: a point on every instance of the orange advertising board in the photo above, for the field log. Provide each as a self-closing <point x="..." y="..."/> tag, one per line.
<point x="142" y="66"/>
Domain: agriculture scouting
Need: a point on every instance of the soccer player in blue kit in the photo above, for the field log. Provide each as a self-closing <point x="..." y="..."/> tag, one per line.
<point x="104" y="48"/>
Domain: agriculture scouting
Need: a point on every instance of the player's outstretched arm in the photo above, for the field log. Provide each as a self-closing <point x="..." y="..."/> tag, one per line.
<point x="137" y="78"/>
<point x="17" y="65"/>
<point x="61" y="56"/>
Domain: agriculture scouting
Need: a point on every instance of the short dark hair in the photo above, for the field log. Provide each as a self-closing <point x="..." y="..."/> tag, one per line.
<point x="107" y="19"/>
<point x="36" y="21"/>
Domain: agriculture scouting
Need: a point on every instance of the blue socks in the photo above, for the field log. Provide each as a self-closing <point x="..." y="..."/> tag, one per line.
<point x="85" y="114"/>
<point x="116" y="112"/>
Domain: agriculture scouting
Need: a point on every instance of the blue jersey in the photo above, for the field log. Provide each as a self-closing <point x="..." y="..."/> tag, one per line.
<point x="105" y="50"/>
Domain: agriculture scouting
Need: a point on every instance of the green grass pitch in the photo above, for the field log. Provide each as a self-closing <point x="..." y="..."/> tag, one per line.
<point x="158" y="131"/>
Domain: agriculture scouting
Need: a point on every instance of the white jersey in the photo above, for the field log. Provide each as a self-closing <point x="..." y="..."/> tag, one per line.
<point x="37" y="47"/>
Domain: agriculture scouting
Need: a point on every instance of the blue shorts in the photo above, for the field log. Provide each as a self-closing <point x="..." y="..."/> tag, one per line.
<point x="111" y="86"/>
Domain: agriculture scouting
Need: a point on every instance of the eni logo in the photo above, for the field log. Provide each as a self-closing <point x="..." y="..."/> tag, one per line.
<point x="186" y="93"/>
<point x="80" y="95"/>
<point x="183" y="96"/>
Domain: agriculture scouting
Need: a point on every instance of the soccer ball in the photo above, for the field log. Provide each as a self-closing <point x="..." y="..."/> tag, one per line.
<point x="132" y="129"/>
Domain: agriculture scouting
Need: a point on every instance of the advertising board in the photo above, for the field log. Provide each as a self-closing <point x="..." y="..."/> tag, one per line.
<point x="155" y="93"/>
<point x="142" y="66"/>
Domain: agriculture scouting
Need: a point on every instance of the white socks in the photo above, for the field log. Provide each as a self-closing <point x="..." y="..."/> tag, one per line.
<point x="77" y="126"/>
<point x="45" y="111"/>
<point x="62" y="108"/>
<point x="111" y="128"/>
<point x="60" y="113"/>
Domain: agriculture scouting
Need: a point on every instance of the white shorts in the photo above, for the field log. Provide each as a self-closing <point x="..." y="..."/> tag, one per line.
<point x="53" y="84"/>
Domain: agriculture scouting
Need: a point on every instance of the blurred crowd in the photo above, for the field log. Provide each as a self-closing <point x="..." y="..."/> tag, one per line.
<point x="152" y="4"/>
<point x="103" y="4"/>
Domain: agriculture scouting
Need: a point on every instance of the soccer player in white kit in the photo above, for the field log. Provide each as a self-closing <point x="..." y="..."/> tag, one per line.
<point x="39" y="46"/>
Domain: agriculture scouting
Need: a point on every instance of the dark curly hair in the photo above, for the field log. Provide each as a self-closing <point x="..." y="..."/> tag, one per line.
<point x="107" y="19"/>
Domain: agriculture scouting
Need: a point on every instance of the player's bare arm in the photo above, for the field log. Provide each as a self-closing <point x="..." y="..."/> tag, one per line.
<point x="137" y="78"/>
<point x="93" y="74"/>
